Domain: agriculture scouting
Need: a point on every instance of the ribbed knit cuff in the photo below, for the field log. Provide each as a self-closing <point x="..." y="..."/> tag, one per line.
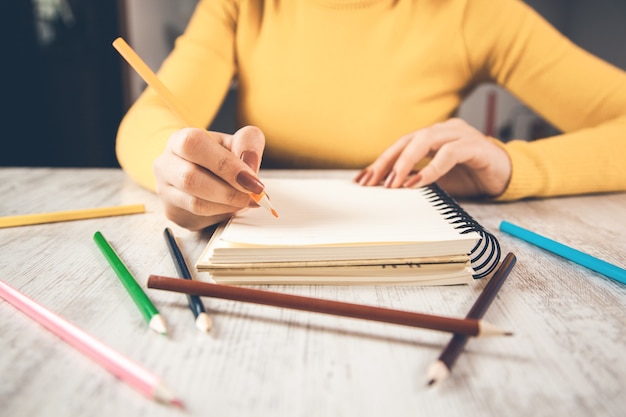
<point x="528" y="178"/>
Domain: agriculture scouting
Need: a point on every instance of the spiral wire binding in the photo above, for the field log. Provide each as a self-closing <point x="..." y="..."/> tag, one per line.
<point x="484" y="257"/>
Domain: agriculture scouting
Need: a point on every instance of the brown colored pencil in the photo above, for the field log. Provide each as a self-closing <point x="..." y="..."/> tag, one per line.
<point x="470" y="327"/>
<point x="441" y="368"/>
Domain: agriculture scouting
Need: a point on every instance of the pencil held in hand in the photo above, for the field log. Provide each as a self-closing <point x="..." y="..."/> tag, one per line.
<point x="170" y="99"/>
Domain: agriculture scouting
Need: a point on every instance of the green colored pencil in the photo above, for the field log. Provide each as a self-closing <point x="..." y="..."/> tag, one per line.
<point x="148" y="310"/>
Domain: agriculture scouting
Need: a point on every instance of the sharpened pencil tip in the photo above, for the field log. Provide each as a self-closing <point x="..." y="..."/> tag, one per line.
<point x="163" y="395"/>
<point x="264" y="201"/>
<point x="158" y="324"/>
<point x="488" y="329"/>
<point x="177" y="403"/>
<point x="438" y="371"/>
<point x="204" y="322"/>
<point x="509" y="334"/>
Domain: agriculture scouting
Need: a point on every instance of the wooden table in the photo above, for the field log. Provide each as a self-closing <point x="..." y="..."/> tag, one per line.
<point x="567" y="357"/>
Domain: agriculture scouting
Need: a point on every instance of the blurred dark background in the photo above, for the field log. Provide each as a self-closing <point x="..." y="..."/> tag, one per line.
<point x="65" y="88"/>
<point x="62" y="84"/>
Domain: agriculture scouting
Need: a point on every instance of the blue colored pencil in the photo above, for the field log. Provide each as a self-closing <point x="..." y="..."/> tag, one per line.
<point x="203" y="321"/>
<point x="574" y="255"/>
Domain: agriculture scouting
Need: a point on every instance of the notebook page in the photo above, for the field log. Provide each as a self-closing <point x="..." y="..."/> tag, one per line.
<point x="339" y="212"/>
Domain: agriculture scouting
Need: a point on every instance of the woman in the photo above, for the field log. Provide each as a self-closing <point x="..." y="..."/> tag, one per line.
<point x="375" y="84"/>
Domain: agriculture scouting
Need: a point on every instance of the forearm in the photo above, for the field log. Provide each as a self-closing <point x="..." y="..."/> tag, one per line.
<point x="578" y="93"/>
<point x="142" y="137"/>
<point x="198" y="72"/>
<point x="587" y="161"/>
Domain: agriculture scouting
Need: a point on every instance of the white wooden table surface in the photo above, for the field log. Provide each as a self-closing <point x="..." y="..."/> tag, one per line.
<point x="567" y="358"/>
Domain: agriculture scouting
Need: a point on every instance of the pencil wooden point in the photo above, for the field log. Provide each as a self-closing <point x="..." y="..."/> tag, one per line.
<point x="158" y="324"/>
<point x="488" y="329"/>
<point x="437" y="372"/>
<point x="204" y="322"/>
<point x="263" y="200"/>
<point x="164" y="395"/>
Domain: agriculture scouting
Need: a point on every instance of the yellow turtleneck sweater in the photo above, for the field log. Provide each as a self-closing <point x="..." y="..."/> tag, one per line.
<point x="332" y="83"/>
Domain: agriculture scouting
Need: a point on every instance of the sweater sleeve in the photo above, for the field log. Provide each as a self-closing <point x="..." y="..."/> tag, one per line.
<point x="198" y="72"/>
<point x="509" y="43"/>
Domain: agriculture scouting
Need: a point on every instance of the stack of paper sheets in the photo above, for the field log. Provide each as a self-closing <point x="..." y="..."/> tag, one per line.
<point x="332" y="231"/>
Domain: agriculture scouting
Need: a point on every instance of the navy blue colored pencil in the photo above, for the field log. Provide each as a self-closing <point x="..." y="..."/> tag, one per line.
<point x="203" y="321"/>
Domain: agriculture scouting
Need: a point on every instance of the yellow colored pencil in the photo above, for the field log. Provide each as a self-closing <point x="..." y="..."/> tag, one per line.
<point x="144" y="71"/>
<point x="62" y="216"/>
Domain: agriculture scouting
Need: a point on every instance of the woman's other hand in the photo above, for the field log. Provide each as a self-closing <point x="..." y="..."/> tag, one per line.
<point x="462" y="160"/>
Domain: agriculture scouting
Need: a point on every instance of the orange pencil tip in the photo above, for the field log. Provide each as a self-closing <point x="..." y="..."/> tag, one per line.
<point x="274" y="213"/>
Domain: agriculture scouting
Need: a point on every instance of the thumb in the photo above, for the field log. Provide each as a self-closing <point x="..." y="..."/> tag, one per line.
<point x="248" y="144"/>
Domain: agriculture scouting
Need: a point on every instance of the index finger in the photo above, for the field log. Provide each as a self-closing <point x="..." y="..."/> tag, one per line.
<point x="208" y="150"/>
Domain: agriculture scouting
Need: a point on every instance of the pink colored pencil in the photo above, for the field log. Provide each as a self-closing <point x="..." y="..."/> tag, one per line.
<point x="120" y="366"/>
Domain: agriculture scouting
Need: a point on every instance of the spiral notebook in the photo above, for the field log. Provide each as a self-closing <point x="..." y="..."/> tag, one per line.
<point x="333" y="231"/>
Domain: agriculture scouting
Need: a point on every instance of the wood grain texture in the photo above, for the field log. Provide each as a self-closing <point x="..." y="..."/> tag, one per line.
<point x="566" y="358"/>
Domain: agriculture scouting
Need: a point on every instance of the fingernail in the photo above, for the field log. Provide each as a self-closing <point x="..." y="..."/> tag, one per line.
<point x="365" y="178"/>
<point x="390" y="178"/>
<point x="413" y="181"/>
<point x="250" y="182"/>
<point x="250" y="158"/>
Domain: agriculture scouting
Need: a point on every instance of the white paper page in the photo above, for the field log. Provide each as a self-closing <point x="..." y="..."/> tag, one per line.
<point x="333" y="211"/>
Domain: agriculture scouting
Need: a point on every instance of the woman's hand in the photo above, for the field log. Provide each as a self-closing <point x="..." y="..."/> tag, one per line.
<point x="463" y="161"/>
<point x="204" y="177"/>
